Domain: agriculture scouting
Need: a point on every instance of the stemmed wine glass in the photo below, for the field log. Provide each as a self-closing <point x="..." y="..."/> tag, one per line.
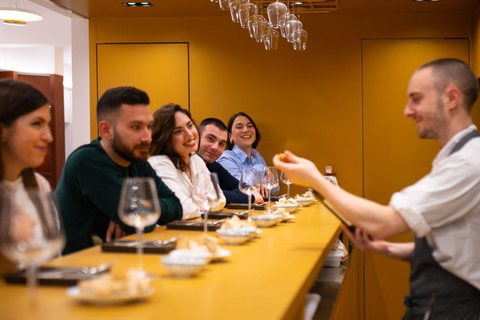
<point x="270" y="181"/>
<point x="285" y="180"/>
<point x="206" y="193"/>
<point x="31" y="231"/>
<point x="249" y="183"/>
<point x="275" y="10"/>
<point x="139" y="207"/>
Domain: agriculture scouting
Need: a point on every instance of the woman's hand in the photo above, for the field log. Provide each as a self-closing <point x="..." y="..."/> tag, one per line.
<point x="263" y="191"/>
<point x="258" y="198"/>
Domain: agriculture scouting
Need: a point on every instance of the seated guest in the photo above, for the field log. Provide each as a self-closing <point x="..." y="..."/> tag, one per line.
<point x="244" y="137"/>
<point x="25" y="136"/>
<point x="213" y="141"/>
<point x="91" y="182"/>
<point x="175" y="139"/>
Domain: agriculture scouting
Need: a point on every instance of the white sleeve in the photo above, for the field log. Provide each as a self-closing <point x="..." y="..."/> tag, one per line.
<point x="172" y="177"/>
<point x="442" y="197"/>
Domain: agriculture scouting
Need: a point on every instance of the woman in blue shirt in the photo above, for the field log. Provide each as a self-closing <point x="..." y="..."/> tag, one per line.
<point x="244" y="137"/>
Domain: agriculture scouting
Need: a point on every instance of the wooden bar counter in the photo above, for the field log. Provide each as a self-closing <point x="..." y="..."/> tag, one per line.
<point x="265" y="278"/>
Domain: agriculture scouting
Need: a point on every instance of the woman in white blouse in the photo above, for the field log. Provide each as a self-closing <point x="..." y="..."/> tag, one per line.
<point x="25" y="136"/>
<point x="174" y="143"/>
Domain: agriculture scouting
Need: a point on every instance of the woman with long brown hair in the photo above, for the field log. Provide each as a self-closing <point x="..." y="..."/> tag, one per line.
<point x="174" y="143"/>
<point x="25" y="135"/>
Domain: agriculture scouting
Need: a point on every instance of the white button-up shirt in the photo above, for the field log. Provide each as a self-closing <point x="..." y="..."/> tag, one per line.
<point x="444" y="206"/>
<point x="181" y="185"/>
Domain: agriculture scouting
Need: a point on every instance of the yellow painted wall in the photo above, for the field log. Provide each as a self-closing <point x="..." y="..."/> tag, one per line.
<point x="309" y="102"/>
<point x="475" y="58"/>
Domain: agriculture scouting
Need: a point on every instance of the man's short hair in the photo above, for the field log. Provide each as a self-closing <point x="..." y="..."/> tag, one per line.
<point x="454" y="72"/>
<point x="216" y="122"/>
<point x="112" y="100"/>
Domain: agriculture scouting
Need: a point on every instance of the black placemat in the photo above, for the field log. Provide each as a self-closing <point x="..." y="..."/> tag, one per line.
<point x="52" y="276"/>
<point x="273" y="198"/>
<point x="193" y="225"/>
<point x="244" y="206"/>
<point x="131" y="246"/>
<point x="218" y="215"/>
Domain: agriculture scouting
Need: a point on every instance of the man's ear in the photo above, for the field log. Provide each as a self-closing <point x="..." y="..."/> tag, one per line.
<point x="106" y="130"/>
<point x="453" y="97"/>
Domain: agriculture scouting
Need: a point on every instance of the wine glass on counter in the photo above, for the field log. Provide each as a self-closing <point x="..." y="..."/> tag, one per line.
<point x="249" y="183"/>
<point x="285" y="180"/>
<point x="31" y="232"/>
<point x="206" y="194"/>
<point x="270" y="181"/>
<point x="139" y="207"/>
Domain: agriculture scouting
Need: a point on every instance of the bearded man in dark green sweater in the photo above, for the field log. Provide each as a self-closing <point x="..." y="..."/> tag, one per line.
<point x="89" y="188"/>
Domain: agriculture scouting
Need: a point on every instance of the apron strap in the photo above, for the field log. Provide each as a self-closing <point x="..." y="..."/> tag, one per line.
<point x="464" y="140"/>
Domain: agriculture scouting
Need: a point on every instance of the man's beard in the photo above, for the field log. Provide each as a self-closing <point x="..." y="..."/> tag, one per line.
<point x="438" y="122"/>
<point x="123" y="151"/>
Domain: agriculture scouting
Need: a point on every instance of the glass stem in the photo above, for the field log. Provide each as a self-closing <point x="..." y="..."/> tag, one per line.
<point x="140" y="247"/>
<point x="32" y="286"/>
<point x="288" y="191"/>
<point x="269" y="200"/>
<point x="205" y="221"/>
<point x="249" y="206"/>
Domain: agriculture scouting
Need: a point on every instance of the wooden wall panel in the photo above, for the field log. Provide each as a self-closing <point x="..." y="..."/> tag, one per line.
<point x="160" y="69"/>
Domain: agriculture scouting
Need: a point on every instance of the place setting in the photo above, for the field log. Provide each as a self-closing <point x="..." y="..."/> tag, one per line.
<point x="111" y="290"/>
<point x="149" y="246"/>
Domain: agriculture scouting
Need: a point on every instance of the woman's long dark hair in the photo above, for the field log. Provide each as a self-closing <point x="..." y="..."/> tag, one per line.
<point x="17" y="99"/>
<point x="258" y="136"/>
<point x="162" y="133"/>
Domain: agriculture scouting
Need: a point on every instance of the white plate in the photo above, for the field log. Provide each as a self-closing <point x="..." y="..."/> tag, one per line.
<point x="305" y="201"/>
<point x="289" y="207"/>
<point x="74" y="292"/>
<point x="187" y="253"/>
<point x="289" y="217"/>
<point x="221" y="253"/>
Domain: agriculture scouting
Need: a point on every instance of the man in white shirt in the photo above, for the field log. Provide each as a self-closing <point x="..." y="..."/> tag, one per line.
<point x="442" y="209"/>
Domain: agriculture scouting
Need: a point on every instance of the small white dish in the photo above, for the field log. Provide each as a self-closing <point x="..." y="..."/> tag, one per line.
<point x="265" y="221"/>
<point x="305" y="201"/>
<point x="76" y="294"/>
<point x="183" y="267"/>
<point x="289" y="207"/>
<point x="234" y="236"/>
<point x="221" y="254"/>
<point x="187" y="253"/>
<point x="288" y="218"/>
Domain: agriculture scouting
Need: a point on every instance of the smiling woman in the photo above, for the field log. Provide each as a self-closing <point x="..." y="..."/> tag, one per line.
<point x="174" y="143"/>
<point x="244" y="137"/>
<point x="25" y="135"/>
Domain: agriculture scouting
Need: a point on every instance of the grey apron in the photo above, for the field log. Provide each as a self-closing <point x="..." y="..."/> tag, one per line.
<point x="437" y="294"/>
